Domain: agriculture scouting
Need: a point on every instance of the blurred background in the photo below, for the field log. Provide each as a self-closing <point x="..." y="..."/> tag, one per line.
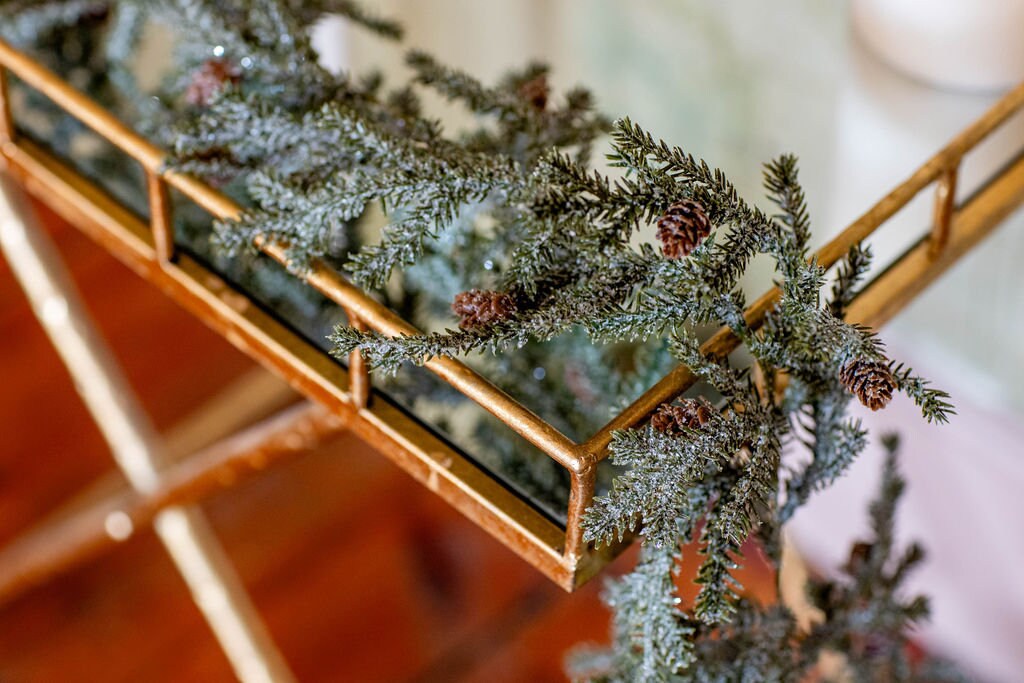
<point x="859" y="92"/>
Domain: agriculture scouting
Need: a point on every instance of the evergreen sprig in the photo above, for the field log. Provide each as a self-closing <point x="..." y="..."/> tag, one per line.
<point x="851" y="270"/>
<point x="934" y="403"/>
<point x="862" y="616"/>
<point x="309" y="13"/>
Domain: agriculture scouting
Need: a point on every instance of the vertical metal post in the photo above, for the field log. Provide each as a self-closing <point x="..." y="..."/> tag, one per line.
<point x="945" y="205"/>
<point x="358" y="371"/>
<point x="581" y="495"/>
<point x="215" y="587"/>
<point x="6" y="119"/>
<point x="160" y="217"/>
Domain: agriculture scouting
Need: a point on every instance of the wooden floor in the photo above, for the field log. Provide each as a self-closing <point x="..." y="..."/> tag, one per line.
<point x="360" y="573"/>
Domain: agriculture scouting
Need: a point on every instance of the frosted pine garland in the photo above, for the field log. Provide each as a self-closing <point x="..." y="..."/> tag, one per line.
<point x="312" y="152"/>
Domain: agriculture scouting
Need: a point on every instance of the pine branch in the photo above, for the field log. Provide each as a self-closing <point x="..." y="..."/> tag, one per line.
<point x="933" y="402"/>
<point x="851" y="271"/>
<point x="657" y="164"/>
<point x="459" y="86"/>
<point x="310" y="12"/>
<point x="653" y="636"/>
<point x="738" y="511"/>
<point x="835" y="444"/>
<point x="719" y="591"/>
<point x="559" y="311"/>
<point x="784" y="191"/>
<point x="735" y="386"/>
<point x="655" y="494"/>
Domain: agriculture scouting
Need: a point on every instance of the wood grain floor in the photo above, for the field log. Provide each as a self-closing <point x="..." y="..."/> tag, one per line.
<point x="360" y="573"/>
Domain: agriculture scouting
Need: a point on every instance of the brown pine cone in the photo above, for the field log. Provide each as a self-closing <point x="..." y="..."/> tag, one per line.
<point x="870" y="381"/>
<point x="689" y="414"/>
<point x="477" y="308"/>
<point x="209" y="79"/>
<point x="535" y="91"/>
<point x="682" y="228"/>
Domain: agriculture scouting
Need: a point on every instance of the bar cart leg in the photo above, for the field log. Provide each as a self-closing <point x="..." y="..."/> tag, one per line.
<point x="136" y="448"/>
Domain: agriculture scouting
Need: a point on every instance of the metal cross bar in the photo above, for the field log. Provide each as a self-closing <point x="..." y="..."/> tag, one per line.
<point x="61" y="544"/>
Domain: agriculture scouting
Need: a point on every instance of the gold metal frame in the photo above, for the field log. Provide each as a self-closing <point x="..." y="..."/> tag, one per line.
<point x="559" y="553"/>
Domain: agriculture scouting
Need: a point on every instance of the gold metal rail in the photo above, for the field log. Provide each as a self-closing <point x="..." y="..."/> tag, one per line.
<point x="560" y="553"/>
